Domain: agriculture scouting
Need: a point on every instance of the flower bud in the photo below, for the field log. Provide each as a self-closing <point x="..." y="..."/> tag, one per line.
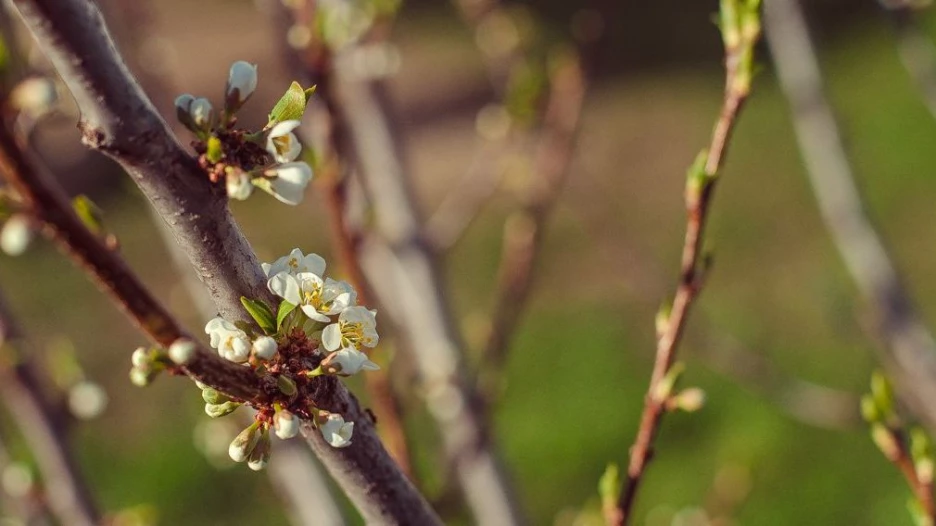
<point x="238" y="184"/>
<point x="219" y="410"/>
<point x="16" y="235"/>
<point x="141" y="377"/>
<point x="140" y="358"/>
<point x="202" y="114"/>
<point x="183" y="105"/>
<point x="244" y="443"/>
<point x="689" y="400"/>
<point x="260" y="456"/>
<point x="264" y="348"/>
<point x="213" y="396"/>
<point x="182" y="351"/>
<point x="241" y="83"/>
<point x="286" y="424"/>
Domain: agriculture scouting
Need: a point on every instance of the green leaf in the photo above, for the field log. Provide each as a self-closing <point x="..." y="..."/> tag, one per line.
<point x="89" y="213"/>
<point x="284" y="309"/>
<point x="291" y="105"/>
<point x="609" y="486"/>
<point x="261" y="312"/>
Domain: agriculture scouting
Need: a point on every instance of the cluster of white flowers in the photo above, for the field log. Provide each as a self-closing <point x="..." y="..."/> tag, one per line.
<point x="285" y="178"/>
<point x="299" y="279"/>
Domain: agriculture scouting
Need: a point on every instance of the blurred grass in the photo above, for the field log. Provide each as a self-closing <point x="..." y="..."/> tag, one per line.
<point x="581" y="361"/>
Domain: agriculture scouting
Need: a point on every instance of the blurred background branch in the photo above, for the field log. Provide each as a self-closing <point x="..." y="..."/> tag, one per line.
<point x="909" y="351"/>
<point x="43" y="425"/>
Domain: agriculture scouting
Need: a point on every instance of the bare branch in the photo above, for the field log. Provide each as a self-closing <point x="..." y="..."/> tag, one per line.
<point x="910" y="353"/>
<point x="121" y="122"/>
<point x="68" y="494"/>
<point x="917" y="51"/>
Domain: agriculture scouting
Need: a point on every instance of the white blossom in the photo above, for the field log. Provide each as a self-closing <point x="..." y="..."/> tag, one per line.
<point x="264" y="347"/>
<point x="140" y="357"/>
<point x="232" y="343"/>
<point x="285" y="424"/>
<point x="242" y="82"/>
<point x="356" y="326"/>
<point x="317" y="298"/>
<point x="349" y="362"/>
<point x="336" y="431"/>
<point x="287" y="182"/>
<point x="282" y="143"/>
<point x="238" y="185"/>
<point x="295" y="263"/>
<point x="16" y="235"/>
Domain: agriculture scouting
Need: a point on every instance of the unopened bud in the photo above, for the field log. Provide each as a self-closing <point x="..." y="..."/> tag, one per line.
<point x="885" y="440"/>
<point x="260" y="456"/>
<point x="182" y="351"/>
<point x="15" y="235"/>
<point x="183" y="106"/>
<point x="244" y="443"/>
<point x="141" y="377"/>
<point x="202" y="114"/>
<point x="664" y="388"/>
<point x="213" y="396"/>
<point x="140" y="358"/>
<point x="286" y="424"/>
<point x="219" y="410"/>
<point x="869" y="409"/>
<point x="264" y="347"/>
<point x="689" y="400"/>
<point x="34" y="95"/>
<point x="242" y="82"/>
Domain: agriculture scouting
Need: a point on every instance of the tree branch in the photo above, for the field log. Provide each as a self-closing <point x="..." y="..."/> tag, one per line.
<point x="68" y="494"/>
<point x="700" y="188"/>
<point x="119" y="121"/>
<point x="910" y="352"/>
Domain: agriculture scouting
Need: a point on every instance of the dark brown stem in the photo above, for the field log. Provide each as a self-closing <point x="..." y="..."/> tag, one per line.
<point x="68" y="494"/>
<point x="690" y="282"/>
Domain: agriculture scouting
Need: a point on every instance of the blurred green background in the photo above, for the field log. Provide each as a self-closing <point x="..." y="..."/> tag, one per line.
<point x="778" y="340"/>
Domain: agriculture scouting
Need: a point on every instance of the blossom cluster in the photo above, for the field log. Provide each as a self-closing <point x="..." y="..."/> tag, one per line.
<point x="266" y="159"/>
<point x="318" y="329"/>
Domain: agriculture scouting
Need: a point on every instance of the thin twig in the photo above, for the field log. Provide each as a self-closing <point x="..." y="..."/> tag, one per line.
<point x="698" y="200"/>
<point x="66" y="490"/>
<point x="361" y="110"/>
<point x="45" y="200"/>
<point x="909" y="351"/>
<point x="121" y="122"/>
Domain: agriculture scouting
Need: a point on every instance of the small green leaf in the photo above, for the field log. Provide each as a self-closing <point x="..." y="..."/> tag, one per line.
<point x="609" y="486"/>
<point x="291" y="105"/>
<point x="215" y="152"/>
<point x="284" y="309"/>
<point x="261" y="312"/>
<point x="89" y="213"/>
